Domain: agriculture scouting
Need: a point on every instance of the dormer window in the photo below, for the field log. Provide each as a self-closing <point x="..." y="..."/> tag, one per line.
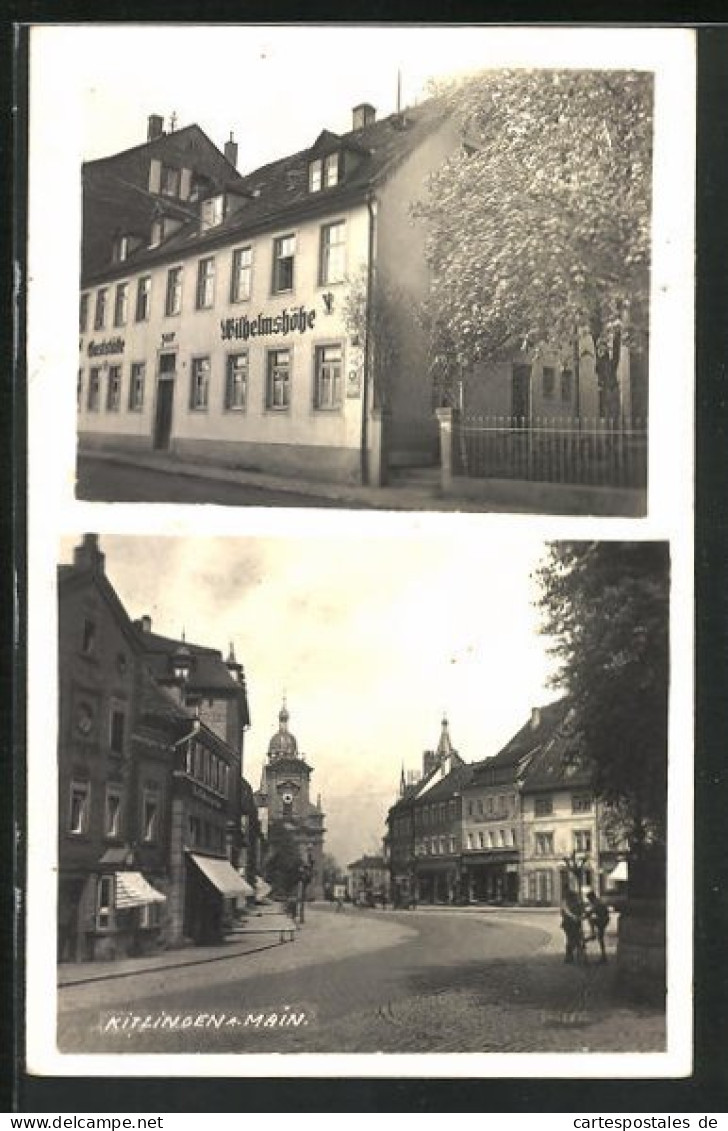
<point x="170" y="181"/>
<point x="157" y="233"/>
<point x="120" y="250"/>
<point x="213" y="211"/>
<point x="315" y="172"/>
<point x="323" y="172"/>
<point x="331" y="170"/>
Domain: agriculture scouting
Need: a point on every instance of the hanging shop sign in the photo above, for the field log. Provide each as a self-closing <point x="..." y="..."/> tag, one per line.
<point x="297" y="320"/>
<point x="109" y="345"/>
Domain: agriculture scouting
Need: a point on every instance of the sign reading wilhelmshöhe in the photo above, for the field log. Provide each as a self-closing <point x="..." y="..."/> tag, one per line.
<point x="110" y="345"/>
<point x="287" y="322"/>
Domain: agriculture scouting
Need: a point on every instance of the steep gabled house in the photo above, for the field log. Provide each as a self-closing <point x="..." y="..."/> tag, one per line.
<point x="222" y="334"/>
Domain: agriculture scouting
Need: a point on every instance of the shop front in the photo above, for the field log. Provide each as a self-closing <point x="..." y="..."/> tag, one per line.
<point x="491" y="877"/>
<point x="214" y="891"/>
<point x="438" y="881"/>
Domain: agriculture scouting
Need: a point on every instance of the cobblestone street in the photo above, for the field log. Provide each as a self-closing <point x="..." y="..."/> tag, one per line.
<point x="435" y="980"/>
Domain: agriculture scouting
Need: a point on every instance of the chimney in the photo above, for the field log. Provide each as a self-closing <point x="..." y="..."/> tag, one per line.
<point x="535" y="718"/>
<point x="363" y="115"/>
<point x="145" y="623"/>
<point x="231" y="151"/>
<point x="88" y="555"/>
<point x="155" y="127"/>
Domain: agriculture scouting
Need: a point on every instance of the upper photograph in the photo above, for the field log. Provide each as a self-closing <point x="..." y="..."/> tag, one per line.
<point x="307" y="281"/>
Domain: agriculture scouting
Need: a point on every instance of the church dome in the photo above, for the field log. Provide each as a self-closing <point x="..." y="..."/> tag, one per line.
<point x="282" y="744"/>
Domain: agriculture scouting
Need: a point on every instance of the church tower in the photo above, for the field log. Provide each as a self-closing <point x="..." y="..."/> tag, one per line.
<point x="285" y="790"/>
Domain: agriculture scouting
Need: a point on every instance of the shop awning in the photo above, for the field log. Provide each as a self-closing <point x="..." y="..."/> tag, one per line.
<point x="222" y="876"/>
<point x="132" y="890"/>
<point x="619" y="872"/>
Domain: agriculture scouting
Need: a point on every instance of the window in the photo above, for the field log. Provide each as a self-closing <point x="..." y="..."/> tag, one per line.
<point x="582" y="840"/>
<point x="470" y="840"/>
<point x="284" y="250"/>
<point x="100" y="313"/>
<point x="514" y="842"/>
<point x="452" y="844"/>
<point x="83" y="314"/>
<point x="88" y="638"/>
<point x="136" y="386"/>
<point x="504" y="838"/>
<point x="470" y="808"/>
<point x="205" y="283"/>
<point x="117" y="724"/>
<point x="113" y="389"/>
<point x="567" y="385"/>
<point x="240" y="279"/>
<point x="278" y="383"/>
<point x="581" y="803"/>
<point x="492" y="840"/>
<point x="548" y="382"/>
<point x="236" y="381"/>
<point x="155" y="237"/>
<point x="121" y="304"/>
<point x="481" y="840"/>
<point x="543" y="844"/>
<point x="112" y="816"/>
<point x="173" y="299"/>
<point x="150" y="814"/>
<point x="79" y="808"/>
<point x="332" y="255"/>
<point x="331" y="170"/>
<point x="79" y="389"/>
<point x="200" y="388"/>
<point x="105" y="903"/>
<point x="328" y="369"/>
<point x="143" y="301"/>
<point x="213" y="211"/>
<point x="543" y="806"/>
<point x="169" y="181"/>
<point x="315" y="171"/>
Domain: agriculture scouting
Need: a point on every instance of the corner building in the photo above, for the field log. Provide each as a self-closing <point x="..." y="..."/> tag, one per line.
<point x="219" y="326"/>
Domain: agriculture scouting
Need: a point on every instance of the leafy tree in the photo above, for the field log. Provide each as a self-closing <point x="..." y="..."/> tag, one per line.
<point x="373" y="315"/>
<point x="539" y="228"/>
<point x="606" y="607"/>
<point x="284" y="860"/>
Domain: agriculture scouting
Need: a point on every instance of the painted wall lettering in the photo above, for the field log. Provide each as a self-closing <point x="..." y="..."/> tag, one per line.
<point x="287" y="322"/>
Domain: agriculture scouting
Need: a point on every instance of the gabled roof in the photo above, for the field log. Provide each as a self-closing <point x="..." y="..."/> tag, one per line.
<point x="504" y="766"/>
<point x="557" y="764"/>
<point x="208" y="671"/>
<point x="457" y="779"/>
<point x="279" y="193"/>
<point x="115" y="189"/>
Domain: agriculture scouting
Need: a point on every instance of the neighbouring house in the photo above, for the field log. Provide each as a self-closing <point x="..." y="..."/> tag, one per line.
<point x="368" y="877"/>
<point x="151" y="798"/>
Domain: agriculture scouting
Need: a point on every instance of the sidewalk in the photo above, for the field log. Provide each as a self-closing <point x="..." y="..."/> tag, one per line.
<point x="248" y="939"/>
<point x="422" y="494"/>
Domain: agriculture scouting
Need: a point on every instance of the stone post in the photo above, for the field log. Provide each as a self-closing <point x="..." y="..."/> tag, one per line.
<point x="378" y="451"/>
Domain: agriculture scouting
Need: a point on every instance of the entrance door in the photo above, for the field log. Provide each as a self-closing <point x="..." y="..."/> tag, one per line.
<point x="521" y="395"/>
<point x="165" y="400"/>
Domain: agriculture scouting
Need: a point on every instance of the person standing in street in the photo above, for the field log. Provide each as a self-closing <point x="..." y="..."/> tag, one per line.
<point x="597" y="914"/>
<point x="571" y="918"/>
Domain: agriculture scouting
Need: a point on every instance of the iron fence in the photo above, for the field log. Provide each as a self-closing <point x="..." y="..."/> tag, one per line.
<point x="577" y="450"/>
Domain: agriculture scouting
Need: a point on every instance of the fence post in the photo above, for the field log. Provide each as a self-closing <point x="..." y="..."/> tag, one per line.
<point x="446" y="419"/>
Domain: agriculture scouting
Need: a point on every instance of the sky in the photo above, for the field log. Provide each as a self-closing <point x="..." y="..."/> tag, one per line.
<point x="370" y="639"/>
<point x="274" y="87"/>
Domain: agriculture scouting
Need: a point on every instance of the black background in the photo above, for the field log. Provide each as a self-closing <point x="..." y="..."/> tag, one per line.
<point x="707" y="1089"/>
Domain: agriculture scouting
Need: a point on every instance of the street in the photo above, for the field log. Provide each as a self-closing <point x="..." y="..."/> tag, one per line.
<point x="105" y="481"/>
<point x="432" y="980"/>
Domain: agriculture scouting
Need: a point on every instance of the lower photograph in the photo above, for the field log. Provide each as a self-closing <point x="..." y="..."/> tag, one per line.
<point x="336" y="795"/>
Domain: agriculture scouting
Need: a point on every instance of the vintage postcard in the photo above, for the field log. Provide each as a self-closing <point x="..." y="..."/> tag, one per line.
<point x="360" y="510"/>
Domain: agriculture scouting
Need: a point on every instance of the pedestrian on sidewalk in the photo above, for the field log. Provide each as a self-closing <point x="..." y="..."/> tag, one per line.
<point x="572" y="914"/>
<point x="597" y="914"/>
